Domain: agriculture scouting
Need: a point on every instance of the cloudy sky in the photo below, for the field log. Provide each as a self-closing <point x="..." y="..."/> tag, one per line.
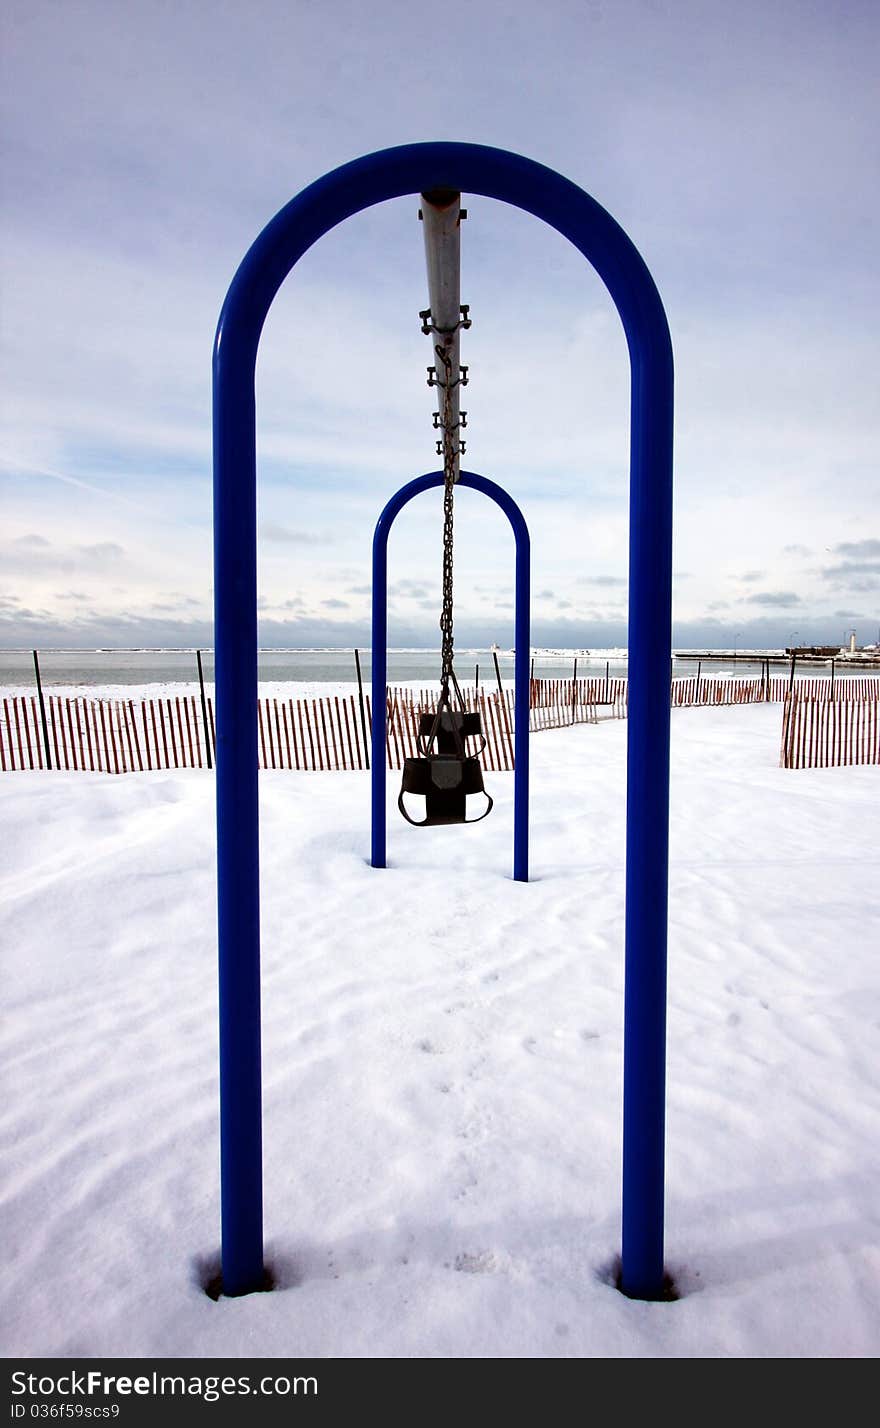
<point x="145" y="144"/>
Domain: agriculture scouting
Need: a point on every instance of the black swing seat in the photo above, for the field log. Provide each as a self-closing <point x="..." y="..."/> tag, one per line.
<point x="445" y="773"/>
<point x="444" y="781"/>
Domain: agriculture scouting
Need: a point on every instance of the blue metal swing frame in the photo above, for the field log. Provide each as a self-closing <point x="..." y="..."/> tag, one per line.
<point x="510" y="178"/>
<point x="522" y="640"/>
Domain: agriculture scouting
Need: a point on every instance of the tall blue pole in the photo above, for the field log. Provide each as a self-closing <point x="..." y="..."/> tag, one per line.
<point x="522" y="640"/>
<point x="379" y="674"/>
<point x="394" y="173"/>
<point x="386" y="520"/>
<point x="238" y="867"/>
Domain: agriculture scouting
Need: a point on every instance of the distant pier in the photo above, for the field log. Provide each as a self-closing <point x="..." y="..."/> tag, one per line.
<point x="815" y="655"/>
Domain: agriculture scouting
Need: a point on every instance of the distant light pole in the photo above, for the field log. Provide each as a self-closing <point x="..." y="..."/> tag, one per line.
<point x="736" y="640"/>
<point x="791" y="638"/>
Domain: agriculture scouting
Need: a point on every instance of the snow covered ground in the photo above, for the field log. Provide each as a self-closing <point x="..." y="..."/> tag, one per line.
<point x="442" y="1064"/>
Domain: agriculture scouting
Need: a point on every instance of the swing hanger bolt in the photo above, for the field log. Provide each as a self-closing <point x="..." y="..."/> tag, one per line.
<point x="429" y="326"/>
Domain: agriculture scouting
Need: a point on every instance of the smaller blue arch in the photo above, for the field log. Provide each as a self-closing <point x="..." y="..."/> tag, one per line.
<point x="522" y="642"/>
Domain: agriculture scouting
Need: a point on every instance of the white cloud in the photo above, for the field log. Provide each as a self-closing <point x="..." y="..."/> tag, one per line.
<point x="146" y="146"/>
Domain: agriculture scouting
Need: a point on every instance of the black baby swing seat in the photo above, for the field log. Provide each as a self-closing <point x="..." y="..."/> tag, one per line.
<point x="444" y="773"/>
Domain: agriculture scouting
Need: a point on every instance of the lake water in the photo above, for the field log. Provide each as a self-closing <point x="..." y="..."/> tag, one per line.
<point x="97" y="668"/>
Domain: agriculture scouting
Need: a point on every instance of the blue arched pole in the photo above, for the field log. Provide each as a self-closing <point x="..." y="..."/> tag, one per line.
<point x="522" y="641"/>
<point x="394" y="173"/>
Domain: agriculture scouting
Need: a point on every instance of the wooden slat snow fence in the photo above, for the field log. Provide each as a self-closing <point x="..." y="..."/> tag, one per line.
<point x="610" y="696"/>
<point x="103" y="735"/>
<point x="708" y="690"/>
<point x="822" y="733"/>
<point x="557" y="703"/>
<point x="125" y="735"/>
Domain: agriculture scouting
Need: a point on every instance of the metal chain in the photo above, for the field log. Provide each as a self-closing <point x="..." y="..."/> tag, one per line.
<point x="447" y="646"/>
<point x="451" y="447"/>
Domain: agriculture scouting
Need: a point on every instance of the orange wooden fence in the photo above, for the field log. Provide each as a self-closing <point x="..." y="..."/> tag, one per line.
<point x="826" y="733"/>
<point x="610" y="696"/>
<point x="126" y="735"/>
<point x="712" y="690"/>
<point x="557" y="702"/>
<point x="103" y="735"/>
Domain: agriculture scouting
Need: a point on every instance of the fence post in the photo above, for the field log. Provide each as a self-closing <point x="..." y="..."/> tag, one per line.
<point x="357" y="663"/>
<point x="786" y="715"/>
<point x="204" y="709"/>
<point x="498" y="673"/>
<point x="42" y="711"/>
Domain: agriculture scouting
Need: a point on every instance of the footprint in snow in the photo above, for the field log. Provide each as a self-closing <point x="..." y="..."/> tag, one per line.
<point x="483" y="1262"/>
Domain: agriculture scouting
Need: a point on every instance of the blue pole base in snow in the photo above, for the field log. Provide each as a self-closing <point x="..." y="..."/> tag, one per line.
<point x="521" y="665"/>
<point x="394" y="173"/>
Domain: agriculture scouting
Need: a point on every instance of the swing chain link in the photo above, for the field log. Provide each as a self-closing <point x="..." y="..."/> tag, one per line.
<point x="451" y="448"/>
<point x="446" y="630"/>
